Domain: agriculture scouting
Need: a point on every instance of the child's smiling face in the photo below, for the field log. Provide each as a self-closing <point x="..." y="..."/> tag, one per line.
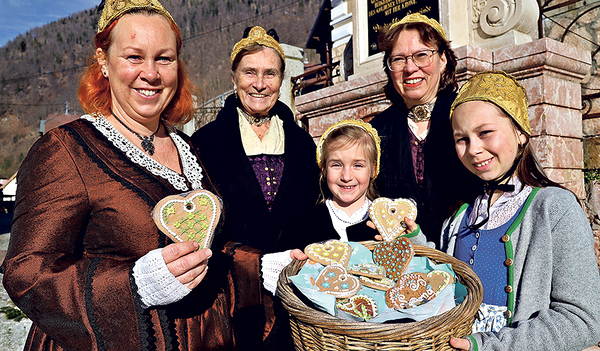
<point x="486" y="140"/>
<point x="348" y="176"/>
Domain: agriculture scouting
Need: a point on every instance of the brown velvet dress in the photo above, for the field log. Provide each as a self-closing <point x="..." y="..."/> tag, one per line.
<point x="82" y="219"/>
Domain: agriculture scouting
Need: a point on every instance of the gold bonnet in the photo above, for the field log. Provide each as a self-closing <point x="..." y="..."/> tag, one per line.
<point x="115" y="9"/>
<point x="352" y="122"/>
<point x="501" y="89"/>
<point x="419" y="18"/>
<point x="256" y="36"/>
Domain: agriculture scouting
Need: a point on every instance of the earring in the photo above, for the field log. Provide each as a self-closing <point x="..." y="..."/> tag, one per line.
<point x="104" y="73"/>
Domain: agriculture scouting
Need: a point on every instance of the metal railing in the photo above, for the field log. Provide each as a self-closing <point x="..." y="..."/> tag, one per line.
<point x="320" y="75"/>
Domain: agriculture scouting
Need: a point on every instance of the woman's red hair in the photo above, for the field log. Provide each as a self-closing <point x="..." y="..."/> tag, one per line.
<point x="94" y="90"/>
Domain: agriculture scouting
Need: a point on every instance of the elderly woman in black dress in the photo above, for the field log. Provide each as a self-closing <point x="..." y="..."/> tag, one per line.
<point x="261" y="162"/>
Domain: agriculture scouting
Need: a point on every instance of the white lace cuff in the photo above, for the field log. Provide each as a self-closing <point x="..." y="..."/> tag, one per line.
<point x="271" y="266"/>
<point x="156" y="284"/>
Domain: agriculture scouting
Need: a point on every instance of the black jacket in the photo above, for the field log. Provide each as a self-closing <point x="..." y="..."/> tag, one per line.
<point x="315" y="225"/>
<point x="247" y="218"/>
<point x="445" y="181"/>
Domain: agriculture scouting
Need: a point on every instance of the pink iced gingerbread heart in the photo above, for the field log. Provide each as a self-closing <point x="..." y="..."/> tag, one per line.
<point x="335" y="280"/>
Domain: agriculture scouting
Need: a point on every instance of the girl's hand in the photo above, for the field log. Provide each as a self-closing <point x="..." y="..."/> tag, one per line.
<point x="188" y="264"/>
<point x="461" y="344"/>
<point x="371" y="225"/>
<point x="298" y="254"/>
<point x="411" y="226"/>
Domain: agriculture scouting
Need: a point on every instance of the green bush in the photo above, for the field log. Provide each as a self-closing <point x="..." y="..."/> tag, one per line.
<point x="591" y="175"/>
<point x="13" y="313"/>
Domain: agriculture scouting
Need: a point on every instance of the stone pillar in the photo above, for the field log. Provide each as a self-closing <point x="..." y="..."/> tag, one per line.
<point x="552" y="72"/>
<point x="359" y="98"/>
<point x="471" y="60"/>
<point x="294" y="66"/>
<point x="341" y="35"/>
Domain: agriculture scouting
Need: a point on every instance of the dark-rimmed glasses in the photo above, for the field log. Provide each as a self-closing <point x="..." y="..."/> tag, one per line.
<point x="421" y="59"/>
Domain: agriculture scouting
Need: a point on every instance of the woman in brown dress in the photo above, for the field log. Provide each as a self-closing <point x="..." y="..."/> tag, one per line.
<point x="86" y="262"/>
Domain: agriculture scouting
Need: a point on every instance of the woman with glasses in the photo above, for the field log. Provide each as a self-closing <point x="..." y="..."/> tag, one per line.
<point x="418" y="159"/>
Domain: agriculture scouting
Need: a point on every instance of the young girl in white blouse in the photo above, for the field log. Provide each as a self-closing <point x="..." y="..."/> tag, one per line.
<point x="348" y="155"/>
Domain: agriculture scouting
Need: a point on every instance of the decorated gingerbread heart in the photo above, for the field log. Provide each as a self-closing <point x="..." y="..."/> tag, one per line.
<point x="411" y="290"/>
<point x="190" y="216"/>
<point x="335" y="280"/>
<point x="438" y="281"/>
<point x="329" y="252"/>
<point x="394" y="256"/>
<point x="361" y="306"/>
<point x="388" y="216"/>
<point x="370" y="270"/>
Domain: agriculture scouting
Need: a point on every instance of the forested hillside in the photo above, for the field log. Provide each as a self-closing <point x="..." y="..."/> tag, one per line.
<point x="40" y="70"/>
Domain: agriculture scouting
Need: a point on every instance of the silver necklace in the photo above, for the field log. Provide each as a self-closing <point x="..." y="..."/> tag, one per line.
<point x="334" y="211"/>
<point x="147" y="141"/>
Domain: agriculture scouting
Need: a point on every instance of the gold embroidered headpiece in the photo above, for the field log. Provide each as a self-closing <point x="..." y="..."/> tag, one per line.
<point x="114" y="9"/>
<point x="419" y="18"/>
<point x="256" y="36"/>
<point x="352" y="122"/>
<point x="501" y="89"/>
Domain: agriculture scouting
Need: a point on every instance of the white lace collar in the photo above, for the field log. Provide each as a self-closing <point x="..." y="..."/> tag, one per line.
<point x="191" y="169"/>
<point x="272" y="143"/>
<point x="503" y="209"/>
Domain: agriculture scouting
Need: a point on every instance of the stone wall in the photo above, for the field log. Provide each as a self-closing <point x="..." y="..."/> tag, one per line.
<point x="12" y="334"/>
<point x="581" y="19"/>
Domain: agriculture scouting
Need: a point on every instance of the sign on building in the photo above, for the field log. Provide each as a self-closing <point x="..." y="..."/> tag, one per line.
<point x="385" y="12"/>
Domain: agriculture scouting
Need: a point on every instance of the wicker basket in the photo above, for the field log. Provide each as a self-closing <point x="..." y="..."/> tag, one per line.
<point x="316" y="330"/>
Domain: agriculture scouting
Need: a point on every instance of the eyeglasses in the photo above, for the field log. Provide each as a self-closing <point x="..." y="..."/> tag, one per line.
<point x="421" y="59"/>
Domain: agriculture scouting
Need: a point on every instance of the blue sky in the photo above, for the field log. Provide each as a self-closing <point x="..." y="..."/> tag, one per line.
<point x="19" y="16"/>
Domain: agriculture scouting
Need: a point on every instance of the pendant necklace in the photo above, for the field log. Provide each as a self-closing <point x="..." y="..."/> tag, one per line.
<point x="255" y="120"/>
<point x="147" y="141"/>
<point x="421" y="113"/>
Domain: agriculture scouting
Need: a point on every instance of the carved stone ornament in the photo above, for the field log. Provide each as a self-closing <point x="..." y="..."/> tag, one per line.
<point x="496" y="17"/>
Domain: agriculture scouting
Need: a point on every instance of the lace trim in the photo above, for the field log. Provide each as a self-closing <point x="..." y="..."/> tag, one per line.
<point x="190" y="166"/>
<point x="271" y="267"/>
<point x="503" y="209"/>
<point x="490" y="318"/>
